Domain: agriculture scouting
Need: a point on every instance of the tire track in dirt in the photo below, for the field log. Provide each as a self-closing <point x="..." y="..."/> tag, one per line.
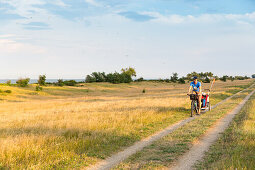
<point x="117" y="158"/>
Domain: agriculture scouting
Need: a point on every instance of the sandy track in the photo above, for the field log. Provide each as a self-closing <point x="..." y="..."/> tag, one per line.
<point x="138" y="146"/>
<point x="196" y="153"/>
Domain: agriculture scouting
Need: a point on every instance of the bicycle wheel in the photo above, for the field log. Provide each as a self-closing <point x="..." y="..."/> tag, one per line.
<point x="192" y="108"/>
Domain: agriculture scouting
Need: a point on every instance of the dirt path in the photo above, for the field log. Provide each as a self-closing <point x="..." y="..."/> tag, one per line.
<point x="196" y="153"/>
<point x="138" y="146"/>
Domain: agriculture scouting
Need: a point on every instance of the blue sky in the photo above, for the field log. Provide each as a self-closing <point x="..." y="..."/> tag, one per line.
<point x="72" y="38"/>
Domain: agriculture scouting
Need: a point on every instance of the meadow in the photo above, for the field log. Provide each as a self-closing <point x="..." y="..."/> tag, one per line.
<point x="74" y="127"/>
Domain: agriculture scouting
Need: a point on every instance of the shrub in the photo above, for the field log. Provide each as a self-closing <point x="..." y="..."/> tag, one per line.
<point x="181" y="80"/>
<point x="38" y="88"/>
<point x="140" y="79"/>
<point x="174" y="78"/>
<point x="70" y="82"/>
<point x="253" y="76"/>
<point x="60" y="82"/>
<point x="143" y="91"/>
<point x="224" y="78"/>
<point x="206" y="80"/>
<point x="116" y="78"/>
<point x="99" y="77"/>
<point x="231" y="78"/>
<point x="167" y="80"/>
<point x="113" y="78"/>
<point x="9" y="82"/>
<point x="42" y="80"/>
<point x="8" y="91"/>
<point x="90" y="79"/>
<point x="129" y="71"/>
<point x="23" y="82"/>
<point x="125" y="78"/>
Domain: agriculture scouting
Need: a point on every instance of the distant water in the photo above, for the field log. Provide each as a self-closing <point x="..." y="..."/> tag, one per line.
<point x="35" y="80"/>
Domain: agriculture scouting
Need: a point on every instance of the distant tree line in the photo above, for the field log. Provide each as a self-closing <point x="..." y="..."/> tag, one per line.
<point x="205" y="77"/>
<point x="124" y="77"/>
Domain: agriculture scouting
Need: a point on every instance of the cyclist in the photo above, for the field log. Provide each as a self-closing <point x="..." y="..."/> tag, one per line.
<point x="196" y="88"/>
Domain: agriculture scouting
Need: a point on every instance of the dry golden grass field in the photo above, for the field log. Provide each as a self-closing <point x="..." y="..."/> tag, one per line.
<point x="74" y="127"/>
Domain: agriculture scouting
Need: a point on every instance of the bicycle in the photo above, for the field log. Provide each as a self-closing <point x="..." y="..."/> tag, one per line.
<point x="205" y="102"/>
<point x="194" y="103"/>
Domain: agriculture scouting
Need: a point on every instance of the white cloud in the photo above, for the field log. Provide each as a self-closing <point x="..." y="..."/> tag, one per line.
<point x="204" y="18"/>
<point x="24" y="7"/>
<point x="59" y="3"/>
<point x="93" y="2"/>
<point x="9" y="47"/>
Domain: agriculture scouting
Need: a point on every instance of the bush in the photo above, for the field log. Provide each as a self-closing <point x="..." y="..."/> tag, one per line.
<point x="224" y="78"/>
<point x="23" y="82"/>
<point x="129" y="71"/>
<point x="143" y="91"/>
<point x="90" y="79"/>
<point x="231" y="78"/>
<point x="9" y="82"/>
<point x="38" y="88"/>
<point x="181" y="80"/>
<point x="70" y="82"/>
<point x="99" y="77"/>
<point x="113" y="78"/>
<point x="60" y="82"/>
<point x="253" y="76"/>
<point x="206" y="80"/>
<point x="116" y="78"/>
<point x="8" y="91"/>
<point x="167" y="80"/>
<point x="174" y="78"/>
<point x="42" y="80"/>
<point x="125" y="78"/>
<point x="140" y="79"/>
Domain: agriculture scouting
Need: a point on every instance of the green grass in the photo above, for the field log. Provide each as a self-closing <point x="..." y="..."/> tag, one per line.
<point x="236" y="148"/>
<point x="163" y="152"/>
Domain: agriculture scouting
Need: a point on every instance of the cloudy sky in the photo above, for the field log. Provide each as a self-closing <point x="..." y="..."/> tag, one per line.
<point x="72" y="38"/>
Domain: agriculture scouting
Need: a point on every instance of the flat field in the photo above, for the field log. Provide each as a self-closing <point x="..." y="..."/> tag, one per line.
<point x="74" y="127"/>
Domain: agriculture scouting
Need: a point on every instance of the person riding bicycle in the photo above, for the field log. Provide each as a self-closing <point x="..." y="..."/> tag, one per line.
<point x="196" y="87"/>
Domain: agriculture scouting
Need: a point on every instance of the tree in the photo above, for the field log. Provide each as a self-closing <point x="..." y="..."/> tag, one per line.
<point x="231" y="78"/>
<point x="60" y="82"/>
<point x="206" y="80"/>
<point x="129" y="71"/>
<point x="100" y="77"/>
<point x="224" y="78"/>
<point x="23" y="82"/>
<point x="253" y="76"/>
<point x="42" y="80"/>
<point x="140" y="79"/>
<point x="90" y="79"/>
<point x="191" y="75"/>
<point x="70" y="82"/>
<point x="174" y="78"/>
<point x="181" y="80"/>
<point x="8" y="82"/>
